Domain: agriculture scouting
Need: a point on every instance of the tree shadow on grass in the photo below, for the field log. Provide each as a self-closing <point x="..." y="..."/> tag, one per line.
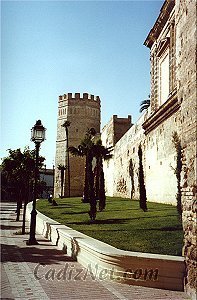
<point x="138" y="209"/>
<point x="74" y="213"/>
<point x="168" y="228"/>
<point x="96" y="222"/>
<point x="61" y="206"/>
<point x="116" y="220"/>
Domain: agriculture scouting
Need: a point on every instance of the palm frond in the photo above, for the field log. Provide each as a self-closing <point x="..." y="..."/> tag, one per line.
<point x="76" y="151"/>
<point x="144" y="105"/>
<point x="66" y="124"/>
<point x="61" y="167"/>
<point x="146" y="101"/>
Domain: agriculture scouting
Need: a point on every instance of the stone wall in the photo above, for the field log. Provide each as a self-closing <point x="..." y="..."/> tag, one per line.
<point x="186" y="36"/>
<point x="159" y="162"/>
<point x="117" y="177"/>
<point x="154" y="130"/>
<point x="125" y="150"/>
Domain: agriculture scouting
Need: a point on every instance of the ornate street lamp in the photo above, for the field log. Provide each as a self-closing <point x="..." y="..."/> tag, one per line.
<point x="37" y="136"/>
<point x="66" y="125"/>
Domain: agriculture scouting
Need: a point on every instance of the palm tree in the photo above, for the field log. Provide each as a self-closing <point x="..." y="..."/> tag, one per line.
<point x="144" y="105"/>
<point x="93" y="190"/>
<point x="100" y="152"/>
<point x="86" y="149"/>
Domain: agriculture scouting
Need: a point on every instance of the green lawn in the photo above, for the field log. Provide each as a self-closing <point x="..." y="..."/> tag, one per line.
<point x="122" y="224"/>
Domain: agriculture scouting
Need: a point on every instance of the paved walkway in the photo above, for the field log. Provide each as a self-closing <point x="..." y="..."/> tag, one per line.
<point x="44" y="272"/>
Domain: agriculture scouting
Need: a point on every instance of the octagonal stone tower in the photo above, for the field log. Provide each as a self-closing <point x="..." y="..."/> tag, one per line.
<point x="83" y="112"/>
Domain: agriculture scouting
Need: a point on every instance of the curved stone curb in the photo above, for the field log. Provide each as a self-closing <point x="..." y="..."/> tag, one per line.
<point x="107" y="262"/>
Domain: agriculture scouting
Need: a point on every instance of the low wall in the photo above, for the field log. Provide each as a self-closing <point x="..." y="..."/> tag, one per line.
<point x="107" y="262"/>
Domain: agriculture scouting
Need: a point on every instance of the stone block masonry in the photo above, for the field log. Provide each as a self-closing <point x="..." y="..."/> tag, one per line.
<point x="186" y="36"/>
<point x="83" y="112"/>
<point x="159" y="161"/>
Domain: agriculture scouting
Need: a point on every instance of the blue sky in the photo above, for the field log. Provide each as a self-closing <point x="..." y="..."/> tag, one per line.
<point x="49" y="48"/>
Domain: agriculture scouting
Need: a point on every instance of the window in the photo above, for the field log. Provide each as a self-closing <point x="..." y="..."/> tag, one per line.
<point x="164" y="77"/>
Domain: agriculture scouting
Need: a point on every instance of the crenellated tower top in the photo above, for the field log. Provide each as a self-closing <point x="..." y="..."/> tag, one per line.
<point x="79" y="96"/>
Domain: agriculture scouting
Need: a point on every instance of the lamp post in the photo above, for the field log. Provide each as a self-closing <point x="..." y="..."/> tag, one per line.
<point x="37" y="136"/>
<point x="66" y="125"/>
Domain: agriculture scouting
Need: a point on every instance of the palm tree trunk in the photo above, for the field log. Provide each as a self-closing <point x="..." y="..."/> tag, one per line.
<point x="86" y="198"/>
<point x="91" y="192"/>
<point x="97" y="178"/>
<point x="62" y="182"/>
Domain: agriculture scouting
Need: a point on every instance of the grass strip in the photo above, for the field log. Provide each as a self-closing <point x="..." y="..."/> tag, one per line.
<point x="122" y="224"/>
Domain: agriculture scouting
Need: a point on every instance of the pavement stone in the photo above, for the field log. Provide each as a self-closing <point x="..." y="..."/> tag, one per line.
<point x="43" y="272"/>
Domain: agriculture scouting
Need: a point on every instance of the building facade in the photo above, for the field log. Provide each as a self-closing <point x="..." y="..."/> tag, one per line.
<point x="47" y="175"/>
<point x="167" y="131"/>
<point x="83" y="112"/>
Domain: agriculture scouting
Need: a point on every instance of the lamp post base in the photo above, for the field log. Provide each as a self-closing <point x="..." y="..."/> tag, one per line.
<point x="32" y="238"/>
